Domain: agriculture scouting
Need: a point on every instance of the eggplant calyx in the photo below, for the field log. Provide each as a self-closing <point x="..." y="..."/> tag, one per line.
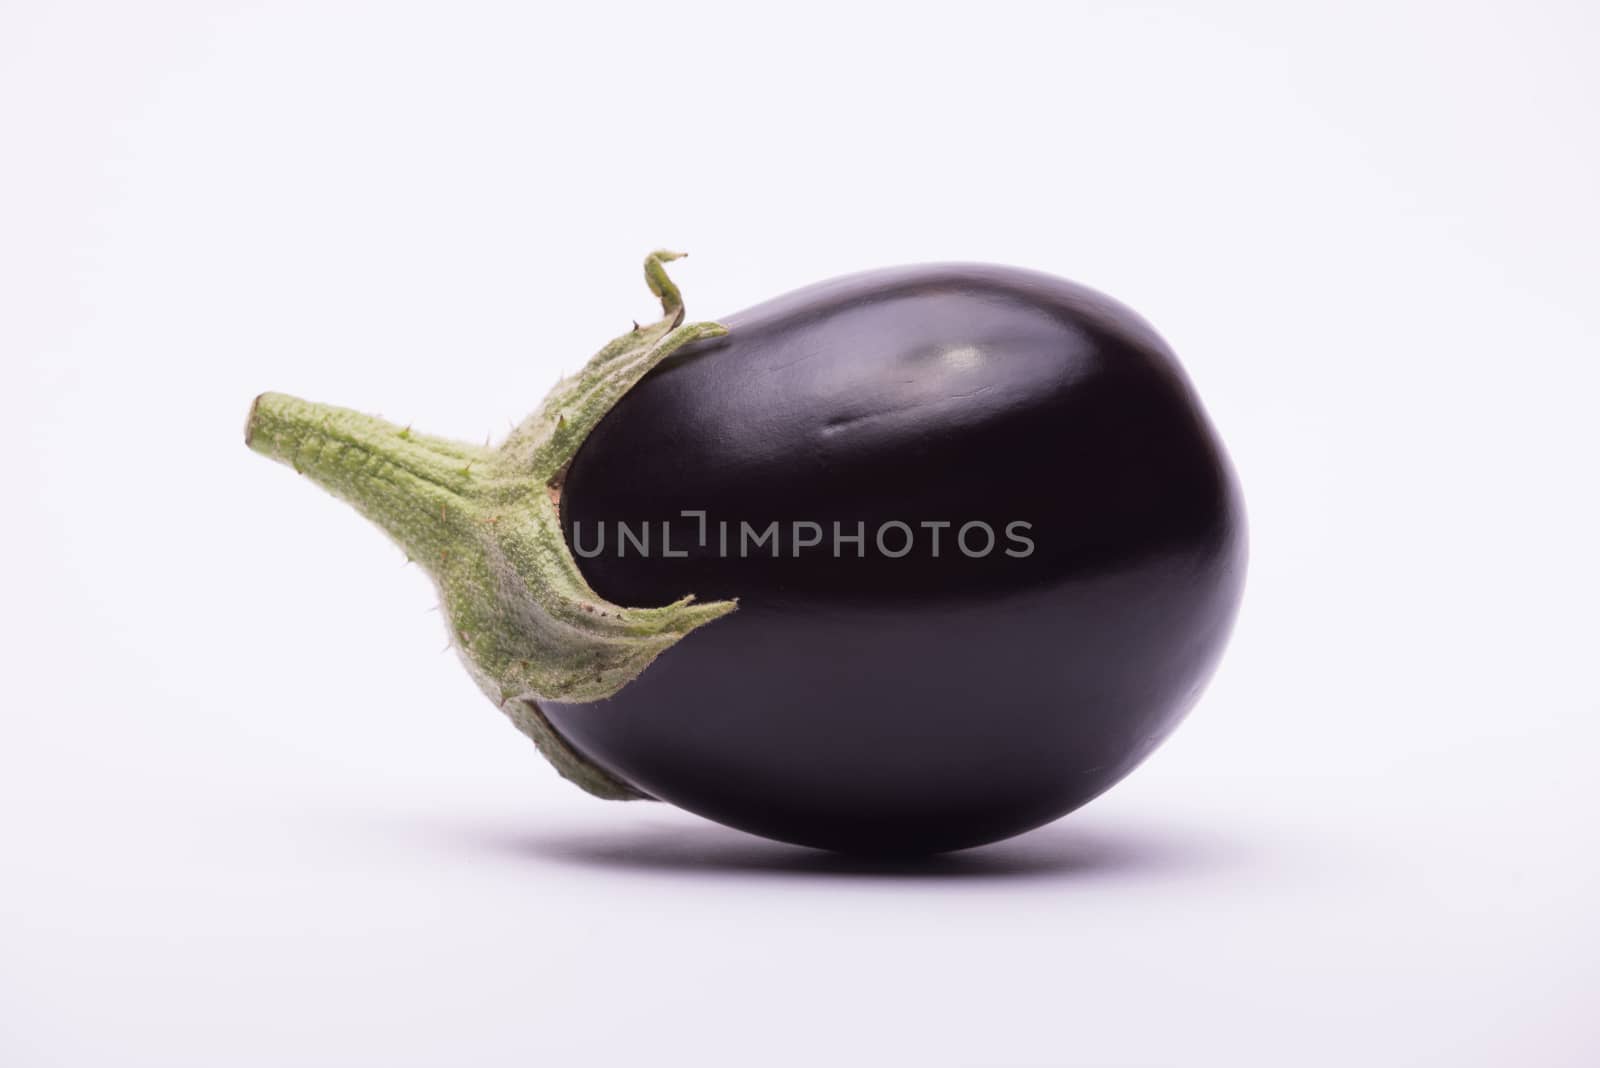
<point x="485" y="524"/>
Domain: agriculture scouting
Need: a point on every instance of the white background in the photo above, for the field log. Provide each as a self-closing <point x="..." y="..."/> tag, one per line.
<point x="251" y="815"/>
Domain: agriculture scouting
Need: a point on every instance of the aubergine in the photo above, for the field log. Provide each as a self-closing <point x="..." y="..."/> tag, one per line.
<point x="902" y="562"/>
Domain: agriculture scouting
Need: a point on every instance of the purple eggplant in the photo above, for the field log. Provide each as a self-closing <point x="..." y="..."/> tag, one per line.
<point x="902" y="562"/>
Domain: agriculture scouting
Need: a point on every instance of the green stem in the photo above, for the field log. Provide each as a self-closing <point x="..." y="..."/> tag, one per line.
<point x="485" y="526"/>
<point x="410" y="485"/>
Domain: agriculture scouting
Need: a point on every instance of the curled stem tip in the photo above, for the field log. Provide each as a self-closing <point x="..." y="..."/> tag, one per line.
<point x="655" y="276"/>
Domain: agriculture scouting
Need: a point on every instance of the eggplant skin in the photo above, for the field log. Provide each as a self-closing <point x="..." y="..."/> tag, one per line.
<point x="901" y="704"/>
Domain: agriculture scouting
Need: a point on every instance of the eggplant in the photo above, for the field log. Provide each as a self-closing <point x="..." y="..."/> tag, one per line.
<point x="903" y="562"/>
